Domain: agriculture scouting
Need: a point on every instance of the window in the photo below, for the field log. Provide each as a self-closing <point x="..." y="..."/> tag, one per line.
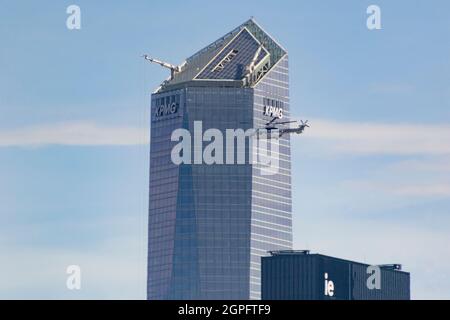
<point x="221" y="65"/>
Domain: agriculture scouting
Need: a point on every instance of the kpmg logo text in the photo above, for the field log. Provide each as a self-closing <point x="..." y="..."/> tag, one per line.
<point x="166" y="106"/>
<point x="165" y="110"/>
<point x="273" y="112"/>
<point x="273" y="108"/>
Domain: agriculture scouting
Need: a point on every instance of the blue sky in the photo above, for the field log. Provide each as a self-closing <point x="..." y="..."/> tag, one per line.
<point x="371" y="177"/>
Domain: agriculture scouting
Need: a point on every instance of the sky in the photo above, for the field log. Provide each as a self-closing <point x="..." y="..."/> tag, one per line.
<point x="371" y="178"/>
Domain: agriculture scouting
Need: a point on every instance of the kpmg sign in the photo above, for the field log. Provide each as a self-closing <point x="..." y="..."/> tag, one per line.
<point x="166" y="110"/>
<point x="273" y="108"/>
<point x="273" y="112"/>
<point x="166" y="107"/>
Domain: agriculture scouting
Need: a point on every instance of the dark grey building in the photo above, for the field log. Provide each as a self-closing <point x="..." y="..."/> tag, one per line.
<point x="298" y="275"/>
<point x="209" y="225"/>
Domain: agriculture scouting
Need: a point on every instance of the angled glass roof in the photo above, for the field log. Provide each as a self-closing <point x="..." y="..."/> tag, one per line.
<point x="231" y="62"/>
<point x="229" y="57"/>
<point x="272" y="46"/>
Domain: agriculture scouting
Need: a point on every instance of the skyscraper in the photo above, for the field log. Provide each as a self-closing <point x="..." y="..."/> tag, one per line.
<point x="209" y="225"/>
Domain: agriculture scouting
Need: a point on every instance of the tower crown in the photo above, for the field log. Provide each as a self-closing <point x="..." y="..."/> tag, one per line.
<point x="240" y="58"/>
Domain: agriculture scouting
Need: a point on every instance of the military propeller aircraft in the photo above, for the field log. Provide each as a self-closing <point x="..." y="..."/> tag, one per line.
<point x="273" y="131"/>
<point x="299" y="130"/>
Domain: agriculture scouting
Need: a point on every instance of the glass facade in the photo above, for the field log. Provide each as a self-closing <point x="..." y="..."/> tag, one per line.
<point x="163" y="195"/>
<point x="209" y="225"/>
<point x="271" y="194"/>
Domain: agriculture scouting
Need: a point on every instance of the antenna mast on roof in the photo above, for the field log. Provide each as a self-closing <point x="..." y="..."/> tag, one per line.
<point x="173" y="69"/>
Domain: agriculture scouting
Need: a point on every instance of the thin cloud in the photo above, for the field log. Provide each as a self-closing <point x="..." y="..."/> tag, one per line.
<point x="416" y="190"/>
<point x="339" y="137"/>
<point x="434" y="190"/>
<point x="392" y="88"/>
<point x="383" y="139"/>
<point x="74" y="134"/>
<point x="429" y="165"/>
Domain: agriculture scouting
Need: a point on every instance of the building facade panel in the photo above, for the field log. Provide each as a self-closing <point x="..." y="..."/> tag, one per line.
<point x="163" y="193"/>
<point x="271" y="193"/>
<point x="302" y="276"/>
